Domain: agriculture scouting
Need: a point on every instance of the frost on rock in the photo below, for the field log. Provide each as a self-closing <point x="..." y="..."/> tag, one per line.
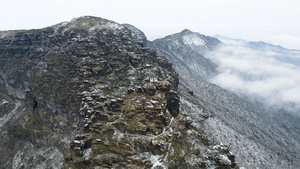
<point x="17" y="160"/>
<point x="32" y="157"/>
<point x="3" y="102"/>
<point x="89" y="23"/>
<point x="224" y="159"/>
<point x="10" y="115"/>
<point x="157" y="162"/>
<point x="87" y="153"/>
<point x="89" y="103"/>
<point x="193" y="40"/>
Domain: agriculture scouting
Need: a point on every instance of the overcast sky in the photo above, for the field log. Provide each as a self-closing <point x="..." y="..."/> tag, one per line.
<point x="273" y="21"/>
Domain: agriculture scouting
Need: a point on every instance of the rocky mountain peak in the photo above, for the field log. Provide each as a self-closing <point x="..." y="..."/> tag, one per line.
<point x="87" y="94"/>
<point x="193" y="40"/>
<point x="189" y="48"/>
<point x="88" y="23"/>
<point x="186" y="31"/>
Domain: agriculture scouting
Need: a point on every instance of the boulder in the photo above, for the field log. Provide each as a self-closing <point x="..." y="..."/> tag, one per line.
<point x="149" y="89"/>
<point x="173" y="102"/>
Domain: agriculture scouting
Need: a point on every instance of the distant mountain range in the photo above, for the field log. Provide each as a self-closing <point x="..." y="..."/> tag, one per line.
<point x="280" y="53"/>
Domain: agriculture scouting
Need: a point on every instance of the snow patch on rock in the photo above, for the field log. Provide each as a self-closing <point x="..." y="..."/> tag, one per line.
<point x="87" y="154"/>
<point x="32" y="157"/>
<point x="13" y="113"/>
<point x="193" y="40"/>
<point x="224" y="159"/>
<point x="157" y="162"/>
<point x="4" y="102"/>
<point x="17" y="160"/>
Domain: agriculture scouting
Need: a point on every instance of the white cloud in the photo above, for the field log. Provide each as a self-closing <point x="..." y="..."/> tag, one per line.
<point x="255" y="74"/>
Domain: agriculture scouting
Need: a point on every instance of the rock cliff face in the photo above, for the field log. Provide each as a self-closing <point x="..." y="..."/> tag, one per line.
<point x="88" y="94"/>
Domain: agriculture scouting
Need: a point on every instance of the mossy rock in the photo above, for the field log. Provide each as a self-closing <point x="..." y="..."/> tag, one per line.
<point x="36" y="122"/>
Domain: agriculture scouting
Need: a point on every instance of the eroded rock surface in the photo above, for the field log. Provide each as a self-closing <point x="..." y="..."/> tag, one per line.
<point x="87" y="94"/>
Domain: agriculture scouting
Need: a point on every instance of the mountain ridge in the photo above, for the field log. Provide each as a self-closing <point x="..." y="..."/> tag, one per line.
<point x="85" y="94"/>
<point x="241" y="120"/>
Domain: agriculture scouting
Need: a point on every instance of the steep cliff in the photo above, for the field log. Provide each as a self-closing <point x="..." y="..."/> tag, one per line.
<point x="87" y="94"/>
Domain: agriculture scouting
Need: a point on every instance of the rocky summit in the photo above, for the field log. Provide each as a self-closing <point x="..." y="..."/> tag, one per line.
<point x="89" y="94"/>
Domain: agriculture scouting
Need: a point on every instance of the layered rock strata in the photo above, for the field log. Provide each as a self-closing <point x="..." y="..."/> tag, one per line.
<point x="87" y="94"/>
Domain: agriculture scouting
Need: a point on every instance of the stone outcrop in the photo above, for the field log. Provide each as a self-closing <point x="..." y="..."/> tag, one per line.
<point x="81" y="94"/>
<point x="142" y="130"/>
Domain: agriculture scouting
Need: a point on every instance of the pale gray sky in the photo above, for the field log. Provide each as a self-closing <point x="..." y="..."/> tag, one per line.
<point x="273" y="21"/>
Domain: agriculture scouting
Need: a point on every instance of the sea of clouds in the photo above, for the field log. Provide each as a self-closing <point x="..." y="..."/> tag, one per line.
<point x="257" y="74"/>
